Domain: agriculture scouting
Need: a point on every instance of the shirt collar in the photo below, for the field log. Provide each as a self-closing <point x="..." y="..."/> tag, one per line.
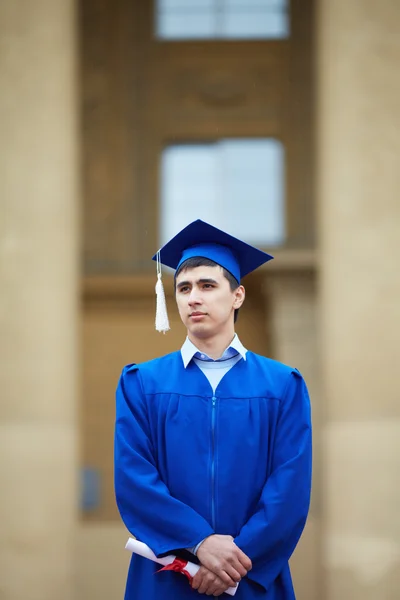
<point x="189" y="350"/>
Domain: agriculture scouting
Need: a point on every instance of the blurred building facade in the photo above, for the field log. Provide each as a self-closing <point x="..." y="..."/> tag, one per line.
<point x="104" y="105"/>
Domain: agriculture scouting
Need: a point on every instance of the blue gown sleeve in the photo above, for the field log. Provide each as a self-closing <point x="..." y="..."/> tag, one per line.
<point x="271" y="534"/>
<point x="147" y="508"/>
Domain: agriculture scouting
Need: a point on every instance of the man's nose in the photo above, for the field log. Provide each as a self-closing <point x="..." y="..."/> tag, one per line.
<point x="194" y="297"/>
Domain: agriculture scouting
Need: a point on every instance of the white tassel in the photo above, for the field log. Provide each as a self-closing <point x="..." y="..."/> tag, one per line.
<point x="162" y="322"/>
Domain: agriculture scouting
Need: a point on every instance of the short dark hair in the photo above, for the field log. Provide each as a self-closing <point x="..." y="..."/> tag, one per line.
<point x="199" y="261"/>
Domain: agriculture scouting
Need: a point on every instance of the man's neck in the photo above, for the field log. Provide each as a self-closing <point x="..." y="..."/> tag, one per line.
<point x="214" y="347"/>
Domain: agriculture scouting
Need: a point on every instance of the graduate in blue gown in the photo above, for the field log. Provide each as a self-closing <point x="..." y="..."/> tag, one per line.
<point x="212" y="442"/>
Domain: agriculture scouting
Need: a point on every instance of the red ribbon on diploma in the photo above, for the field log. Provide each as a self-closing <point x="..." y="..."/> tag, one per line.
<point x="178" y="565"/>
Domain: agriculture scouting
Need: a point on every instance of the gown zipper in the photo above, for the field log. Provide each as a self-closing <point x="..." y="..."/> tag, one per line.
<point x="213" y="410"/>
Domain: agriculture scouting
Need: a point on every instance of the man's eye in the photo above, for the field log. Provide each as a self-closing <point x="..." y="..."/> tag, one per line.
<point x="208" y="285"/>
<point x="184" y="289"/>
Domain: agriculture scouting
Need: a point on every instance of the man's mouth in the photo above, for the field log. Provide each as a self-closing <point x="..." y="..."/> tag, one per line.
<point x="197" y="314"/>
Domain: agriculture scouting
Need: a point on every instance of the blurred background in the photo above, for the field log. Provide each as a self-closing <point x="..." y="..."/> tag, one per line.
<point x="120" y="122"/>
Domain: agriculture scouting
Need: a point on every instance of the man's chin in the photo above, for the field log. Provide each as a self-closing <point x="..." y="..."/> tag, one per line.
<point x="198" y="329"/>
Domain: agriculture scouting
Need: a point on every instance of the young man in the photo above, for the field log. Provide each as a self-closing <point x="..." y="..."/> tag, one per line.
<point x="213" y="442"/>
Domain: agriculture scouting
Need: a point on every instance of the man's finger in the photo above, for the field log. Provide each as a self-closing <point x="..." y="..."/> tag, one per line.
<point x="207" y="580"/>
<point x="244" y="559"/>
<point x="197" y="579"/>
<point x="219" y="591"/>
<point x="227" y="571"/>
<point x="195" y="583"/>
<point x="211" y="590"/>
<point x="216" y="589"/>
<point x="235" y="572"/>
<point x="223" y="574"/>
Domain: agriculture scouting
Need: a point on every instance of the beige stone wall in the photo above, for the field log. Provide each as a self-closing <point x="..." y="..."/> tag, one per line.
<point x="101" y="561"/>
<point x="359" y="190"/>
<point x="343" y="335"/>
<point x="38" y="299"/>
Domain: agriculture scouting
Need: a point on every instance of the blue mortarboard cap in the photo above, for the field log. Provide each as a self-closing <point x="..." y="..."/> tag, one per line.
<point x="204" y="240"/>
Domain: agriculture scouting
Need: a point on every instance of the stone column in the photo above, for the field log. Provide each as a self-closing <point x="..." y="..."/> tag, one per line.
<point x="359" y="218"/>
<point x="293" y="328"/>
<point x="38" y="298"/>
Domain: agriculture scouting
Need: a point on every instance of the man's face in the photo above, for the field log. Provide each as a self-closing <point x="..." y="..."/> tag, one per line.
<point x="206" y="302"/>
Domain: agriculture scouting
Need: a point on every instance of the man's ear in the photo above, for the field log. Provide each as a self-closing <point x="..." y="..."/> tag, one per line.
<point x="240" y="294"/>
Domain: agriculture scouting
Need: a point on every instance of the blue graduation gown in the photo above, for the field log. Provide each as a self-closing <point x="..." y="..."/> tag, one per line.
<point x="189" y="463"/>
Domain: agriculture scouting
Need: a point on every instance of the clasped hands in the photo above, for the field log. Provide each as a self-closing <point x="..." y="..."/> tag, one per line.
<point x="223" y="564"/>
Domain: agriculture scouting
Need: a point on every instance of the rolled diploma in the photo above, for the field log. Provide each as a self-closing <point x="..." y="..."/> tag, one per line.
<point x="137" y="547"/>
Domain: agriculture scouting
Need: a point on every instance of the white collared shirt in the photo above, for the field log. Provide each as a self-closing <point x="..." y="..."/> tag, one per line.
<point x="189" y="351"/>
<point x="214" y="370"/>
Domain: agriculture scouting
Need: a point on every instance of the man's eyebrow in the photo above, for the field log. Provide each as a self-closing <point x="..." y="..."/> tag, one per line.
<point x="205" y="280"/>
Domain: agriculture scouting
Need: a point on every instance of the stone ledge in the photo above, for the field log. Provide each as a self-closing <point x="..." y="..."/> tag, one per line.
<point x="117" y="287"/>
